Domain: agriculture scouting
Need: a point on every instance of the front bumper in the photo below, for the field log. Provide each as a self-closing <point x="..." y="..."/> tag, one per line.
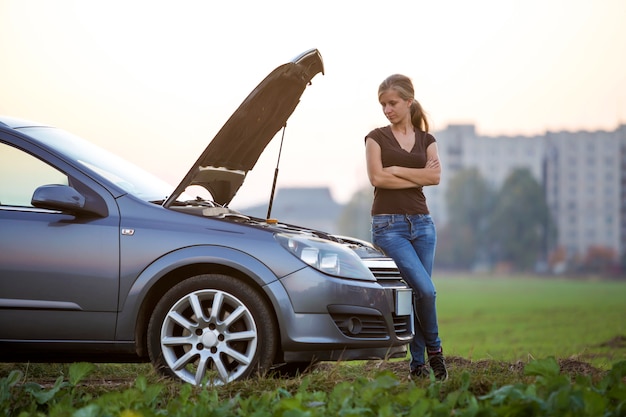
<point x="329" y="318"/>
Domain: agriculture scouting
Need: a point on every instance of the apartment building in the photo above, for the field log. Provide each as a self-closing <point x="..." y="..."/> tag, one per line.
<point x="584" y="189"/>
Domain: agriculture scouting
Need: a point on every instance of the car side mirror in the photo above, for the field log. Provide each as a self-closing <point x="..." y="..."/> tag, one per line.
<point x="58" y="197"/>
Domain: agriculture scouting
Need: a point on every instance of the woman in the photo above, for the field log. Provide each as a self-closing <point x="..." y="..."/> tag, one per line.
<point x="401" y="159"/>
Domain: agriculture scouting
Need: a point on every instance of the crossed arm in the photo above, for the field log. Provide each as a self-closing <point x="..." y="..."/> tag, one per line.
<point x="396" y="177"/>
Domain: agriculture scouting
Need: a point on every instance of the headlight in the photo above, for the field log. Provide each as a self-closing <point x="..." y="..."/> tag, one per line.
<point x="325" y="256"/>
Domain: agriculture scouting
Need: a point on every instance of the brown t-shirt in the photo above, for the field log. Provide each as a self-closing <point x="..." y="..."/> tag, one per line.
<point x="402" y="201"/>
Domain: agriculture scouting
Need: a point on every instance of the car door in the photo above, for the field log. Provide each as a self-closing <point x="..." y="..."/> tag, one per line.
<point x="59" y="272"/>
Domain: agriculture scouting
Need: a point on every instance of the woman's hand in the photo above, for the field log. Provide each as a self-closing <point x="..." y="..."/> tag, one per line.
<point x="432" y="163"/>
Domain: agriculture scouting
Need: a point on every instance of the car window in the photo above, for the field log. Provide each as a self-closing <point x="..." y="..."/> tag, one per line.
<point x="118" y="171"/>
<point x="21" y="173"/>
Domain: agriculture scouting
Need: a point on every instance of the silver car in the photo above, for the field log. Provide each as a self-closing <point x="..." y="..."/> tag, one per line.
<point x="102" y="261"/>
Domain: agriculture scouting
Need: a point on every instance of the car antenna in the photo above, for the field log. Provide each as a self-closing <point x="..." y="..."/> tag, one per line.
<point x="280" y="150"/>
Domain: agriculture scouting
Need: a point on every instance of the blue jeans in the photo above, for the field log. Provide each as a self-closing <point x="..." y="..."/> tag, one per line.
<point x="410" y="241"/>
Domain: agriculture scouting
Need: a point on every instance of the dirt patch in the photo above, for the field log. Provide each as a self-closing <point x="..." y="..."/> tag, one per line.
<point x="575" y="367"/>
<point x="569" y="366"/>
<point x="618" y="342"/>
<point x="481" y="371"/>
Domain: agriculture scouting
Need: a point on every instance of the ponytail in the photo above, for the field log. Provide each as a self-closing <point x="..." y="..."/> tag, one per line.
<point x="418" y="117"/>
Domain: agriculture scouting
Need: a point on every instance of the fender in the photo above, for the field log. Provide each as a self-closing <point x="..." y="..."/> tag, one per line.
<point x="192" y="255"/>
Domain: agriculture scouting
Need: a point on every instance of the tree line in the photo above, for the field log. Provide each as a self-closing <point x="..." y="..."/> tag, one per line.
<point x="508" y="228"/>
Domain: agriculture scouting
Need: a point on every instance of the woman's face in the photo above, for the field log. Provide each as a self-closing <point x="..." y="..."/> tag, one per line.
<point x="395" y="108"/>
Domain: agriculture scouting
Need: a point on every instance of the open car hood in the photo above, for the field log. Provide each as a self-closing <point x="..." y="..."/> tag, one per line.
<point x="234" y="151"/>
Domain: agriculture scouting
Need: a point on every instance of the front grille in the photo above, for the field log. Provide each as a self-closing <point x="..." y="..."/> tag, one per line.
<point x="402" y="325"/>
<point x="385" y="271"/>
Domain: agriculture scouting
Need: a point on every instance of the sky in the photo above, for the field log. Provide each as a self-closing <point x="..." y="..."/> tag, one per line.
<point x="154" y="80"/>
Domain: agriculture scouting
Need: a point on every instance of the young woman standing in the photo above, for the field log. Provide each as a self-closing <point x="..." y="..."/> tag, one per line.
<point x="402" y="158"/>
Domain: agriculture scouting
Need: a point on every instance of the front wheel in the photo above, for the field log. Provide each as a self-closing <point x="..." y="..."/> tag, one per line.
<point x="211" y="329"/>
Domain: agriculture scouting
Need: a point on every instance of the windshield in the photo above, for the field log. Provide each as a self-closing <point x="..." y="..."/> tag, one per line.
<point x="116" y="170"/>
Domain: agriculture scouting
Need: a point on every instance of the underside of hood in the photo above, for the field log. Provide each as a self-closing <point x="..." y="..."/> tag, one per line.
<point x="236" y="148"/>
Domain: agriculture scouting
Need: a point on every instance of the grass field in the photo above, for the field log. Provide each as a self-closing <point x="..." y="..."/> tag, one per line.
<point x="491" y="327"/>
<point x="520" y="318"/>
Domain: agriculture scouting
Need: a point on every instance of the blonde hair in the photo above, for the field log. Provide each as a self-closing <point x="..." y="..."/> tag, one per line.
<point x="404" y="87"/>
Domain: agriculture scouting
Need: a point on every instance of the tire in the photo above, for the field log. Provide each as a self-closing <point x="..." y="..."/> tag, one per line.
<point x="211" y="330"/>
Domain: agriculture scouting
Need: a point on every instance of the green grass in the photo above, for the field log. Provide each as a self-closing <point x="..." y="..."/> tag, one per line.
<point x="491" y="327"/>
<point x="520" y="318"/>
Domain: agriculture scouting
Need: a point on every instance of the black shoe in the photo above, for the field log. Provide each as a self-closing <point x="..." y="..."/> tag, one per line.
<point x="438" y="365"/>
<point x="421" y="372"/>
